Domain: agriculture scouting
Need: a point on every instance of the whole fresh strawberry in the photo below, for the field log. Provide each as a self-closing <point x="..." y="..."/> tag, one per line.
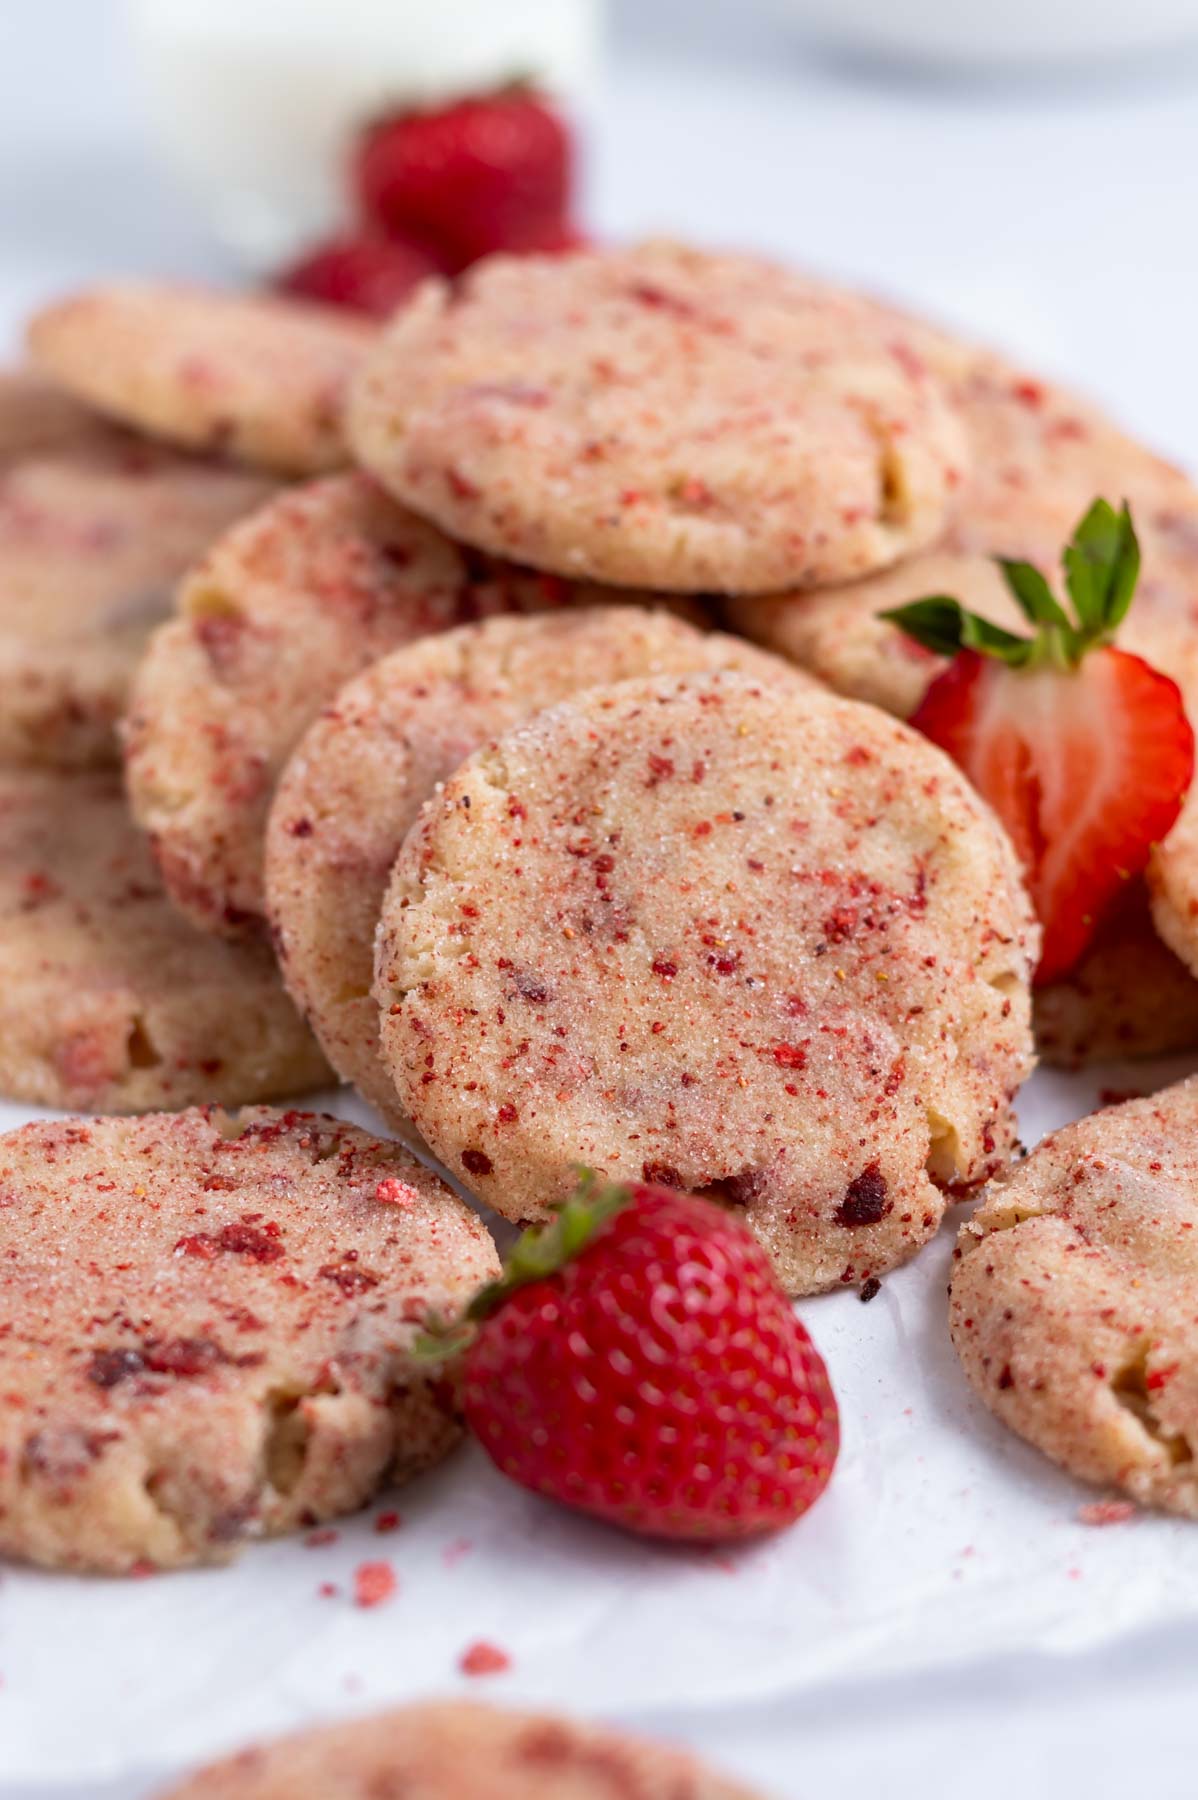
<point x="638" y="1361"/>
<point x="491" y="173"/>
<point x="367" y="273"/>
<point x="1083" y="750"/>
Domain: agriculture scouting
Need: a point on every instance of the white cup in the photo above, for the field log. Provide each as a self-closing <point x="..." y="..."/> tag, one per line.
<point x="256" y="102"/>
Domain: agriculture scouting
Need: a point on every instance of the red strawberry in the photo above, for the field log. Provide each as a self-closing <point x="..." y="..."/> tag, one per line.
<point x="486" y="174"/>
<point x="368" y="274"/>
<point x="1084" y="751"/>
<point x="638" y="1361"/>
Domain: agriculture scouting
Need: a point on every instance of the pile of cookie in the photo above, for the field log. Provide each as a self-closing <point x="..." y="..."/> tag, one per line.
<point x="495" y="709"/>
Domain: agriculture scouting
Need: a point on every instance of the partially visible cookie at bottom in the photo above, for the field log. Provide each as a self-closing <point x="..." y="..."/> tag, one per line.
<point x="109" y="1001"/>
<point x="456" y="1751"/>
<point x="1074" y="1298"/>
<point x="209" y="1323"/>
<point x="1128" y="998"/>
<point x="355" y="785"/>
<point x="715" y="932"/>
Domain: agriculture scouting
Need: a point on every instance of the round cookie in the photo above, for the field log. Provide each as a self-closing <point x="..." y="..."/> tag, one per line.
<point x="661" y="416"/>
<point x="455" y="1751"/>
<point x="35" y="415"/>
<point x="287" y="607"/>
<point x="1039" y="457"/>
<point x="761" y="944"/>
<point x="208" y="1326"/>
<point x="1074" y="1298"/>
<point x="1173" y="867"/>
<point x="357" y="781"/>
<point x="254" y="377"/>
<point x="1129" y="997"/>
<point x="95" y="532"/>
<point x="109" y="1001"/>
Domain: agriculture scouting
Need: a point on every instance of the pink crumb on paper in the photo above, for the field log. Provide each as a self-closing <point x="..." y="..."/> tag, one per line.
<point x="328" y="1590"/>
<point x="1106" y="1512"/>
<point x="374" y="1583"/>
<point x="388" y="1521"/>
<point x="455" y="1550"/>
<point x="482" y="1658"/>
<point x="317" y="1540"/>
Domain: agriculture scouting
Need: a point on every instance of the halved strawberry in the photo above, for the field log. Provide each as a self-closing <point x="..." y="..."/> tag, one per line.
<point x="1083" y="750"/>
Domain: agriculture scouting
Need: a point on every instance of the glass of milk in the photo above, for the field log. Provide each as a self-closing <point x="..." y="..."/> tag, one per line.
<point x="257" y="102"/>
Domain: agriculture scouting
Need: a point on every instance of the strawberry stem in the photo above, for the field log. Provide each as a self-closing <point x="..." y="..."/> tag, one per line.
<point x="543" y="1249"/>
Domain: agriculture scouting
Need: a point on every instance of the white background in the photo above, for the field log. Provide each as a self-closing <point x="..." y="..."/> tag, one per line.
<point x="942" y="1623"/>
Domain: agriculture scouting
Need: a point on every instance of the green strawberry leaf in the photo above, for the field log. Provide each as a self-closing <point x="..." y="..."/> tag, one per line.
<point x="543" y="1249"/>
<point x="1102" y="566"/>
<point x="942" y="625"/>
<point x="1033" y="593"/>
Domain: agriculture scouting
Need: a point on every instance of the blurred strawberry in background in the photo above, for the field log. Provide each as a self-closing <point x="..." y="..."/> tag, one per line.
<point x="435" y="190"/>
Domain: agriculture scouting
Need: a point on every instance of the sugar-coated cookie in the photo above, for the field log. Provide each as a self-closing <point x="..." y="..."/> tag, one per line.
<point x="208" y="1325"/>
<point x="1129" y="997"/>
<point x="357" y="781"/>
<point x="455" y="1751"/>
<point x="1039" y="456"/>
<point x="661" y="416"/>
<point x="1074" y="1298"/>
<point x="254" y="377"/>
<point x="109" y="1001"/>
<point x="286" y="608"/>
<point x="96" y="529"/>
<point x="760" y="943"/>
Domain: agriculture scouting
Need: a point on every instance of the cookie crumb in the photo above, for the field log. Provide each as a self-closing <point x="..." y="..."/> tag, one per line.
<point x="374" y="1584"/>
<point x="1106" y="1512"/>
<point x="482" y="1658"/>
<point x="870" y="1288"/>
<point x="388" y="1521"/>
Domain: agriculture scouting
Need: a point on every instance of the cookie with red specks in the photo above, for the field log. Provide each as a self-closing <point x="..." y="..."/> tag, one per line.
<point x="109" y="1001"/>
<point x="258" y="378"/>
<point x="209" y="1320"/>
<point x="455" y="1751"/>
<point x="757" y="943"/>
<point x="1173" y="866"/>
<point x="96" y="530"/>
<point x="1129" y="997"/>
<point x="285" y="608"/>
<point x="1039" y="456"/>
<point x="357" y="781"/>
<point x="35" y="415"/>
<point x="1074" y="1299"/>
<point x="663" y="416"/>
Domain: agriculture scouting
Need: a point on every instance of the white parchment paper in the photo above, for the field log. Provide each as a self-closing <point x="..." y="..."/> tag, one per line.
<point x="944" y="1545"/>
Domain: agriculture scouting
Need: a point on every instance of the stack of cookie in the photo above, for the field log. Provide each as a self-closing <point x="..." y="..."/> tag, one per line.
<point x="555" y="873"/>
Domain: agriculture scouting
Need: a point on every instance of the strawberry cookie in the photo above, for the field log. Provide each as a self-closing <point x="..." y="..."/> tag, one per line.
<point x="35" y="415"/>
<point x="360" y="776"/>
<point x="96" y="528"/>
<point x="708" y="931"/>
<point x="1039" y="454"/>
<point x="259" y="379"/>
<point x="1075" y="1294"/>
<point x="661" y="416"/>
<point x="285" y="608"/>
<point x="1128" y="997"/>
<point x="208" y="1326"/>
<point x="459" y="1752"/>
<point x="109" y="1001"/>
